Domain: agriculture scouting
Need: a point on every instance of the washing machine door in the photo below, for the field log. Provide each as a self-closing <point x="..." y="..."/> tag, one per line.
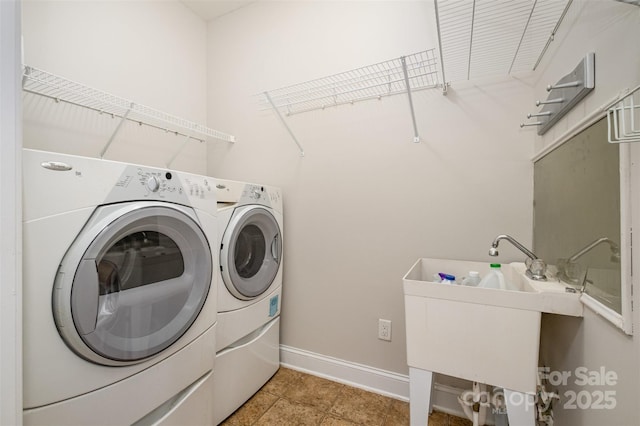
<point x="133" y="282"/>
<point x="251" y="251"/>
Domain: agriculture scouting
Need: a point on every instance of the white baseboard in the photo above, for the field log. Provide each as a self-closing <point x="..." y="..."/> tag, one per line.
<point x="372" y="379"/>
<point x="445" y="399"/>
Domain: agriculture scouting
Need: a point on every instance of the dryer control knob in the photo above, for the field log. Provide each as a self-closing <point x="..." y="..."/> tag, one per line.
<point x="153" y="184"/>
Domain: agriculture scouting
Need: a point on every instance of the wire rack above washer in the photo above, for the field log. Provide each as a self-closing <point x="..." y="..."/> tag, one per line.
<point x="370" y="82"/>
<point x="49" y="85"/>
<point x="481" y="38"/>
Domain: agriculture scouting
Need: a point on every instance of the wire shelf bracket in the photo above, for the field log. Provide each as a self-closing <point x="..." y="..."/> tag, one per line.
<point x="43" y="83"/>
<point x="406" y="74"/>
<point x="116" y="131"/>
<point x="445" y="84"/>
<point x="623" y="119"/>
<point x="416" y="136"/>
<point x="284" y="123"/>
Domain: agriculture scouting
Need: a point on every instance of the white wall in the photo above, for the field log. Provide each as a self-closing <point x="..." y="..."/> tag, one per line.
<point x="152" y="53"/>
<point x="365" y="202"/>
<point x="10" y="217"/>
<point x="611" y="30"/>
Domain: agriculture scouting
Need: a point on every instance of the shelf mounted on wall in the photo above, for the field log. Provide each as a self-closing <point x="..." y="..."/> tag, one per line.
<point x="623" y="118"/>
<point x="406" y="74"/>
<point x="485" y="38"/>
<point x="43" y="83"/>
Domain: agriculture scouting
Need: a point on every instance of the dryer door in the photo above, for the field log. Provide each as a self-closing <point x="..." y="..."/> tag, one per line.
<point x="251" y="252"/>
<point x="133" y="282"/>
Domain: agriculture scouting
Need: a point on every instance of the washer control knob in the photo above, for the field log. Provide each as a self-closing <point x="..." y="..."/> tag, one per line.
<point x="256" y="194"/>
<point x="153" y="184"/>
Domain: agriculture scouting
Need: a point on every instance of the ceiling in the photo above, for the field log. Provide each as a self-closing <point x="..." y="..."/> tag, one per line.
<point x="212" y="9"/>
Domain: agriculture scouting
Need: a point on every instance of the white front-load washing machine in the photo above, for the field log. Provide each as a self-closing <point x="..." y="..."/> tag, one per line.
<point x="119" y="299"/>
<point x="250" y="225"/>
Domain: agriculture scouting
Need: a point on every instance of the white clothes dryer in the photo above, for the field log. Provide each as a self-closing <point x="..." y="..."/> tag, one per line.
<point x="250" y="223"/>
<point x="119" y="291"/>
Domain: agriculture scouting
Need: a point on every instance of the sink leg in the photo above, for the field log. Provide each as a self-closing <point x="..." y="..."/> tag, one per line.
<point x="521" y="408"/>
<point x="420" y="387"/>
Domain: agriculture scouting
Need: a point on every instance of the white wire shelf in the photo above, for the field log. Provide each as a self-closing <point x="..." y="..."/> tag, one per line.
<point x="370" y="82"/>
<point x="405" y="74"/>
<point x="45" y="84"/>
<point x="623" y="118"/>
<point x="481" y="38"/>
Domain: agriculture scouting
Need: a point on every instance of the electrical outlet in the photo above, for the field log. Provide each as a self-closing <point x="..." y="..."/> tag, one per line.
<point x="384" y="329"/>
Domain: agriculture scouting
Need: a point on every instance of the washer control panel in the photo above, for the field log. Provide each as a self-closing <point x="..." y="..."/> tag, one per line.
<point x="198" y="186"/>
<point x="153" y="184"/>
<point x="156" y="184"/>
<point x="153" y="181"/>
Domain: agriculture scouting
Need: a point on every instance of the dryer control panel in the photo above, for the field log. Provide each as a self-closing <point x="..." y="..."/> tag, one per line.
<point x="260" y="194"/>
<point x="229" y="192"/>
<point x="255" y="194"/>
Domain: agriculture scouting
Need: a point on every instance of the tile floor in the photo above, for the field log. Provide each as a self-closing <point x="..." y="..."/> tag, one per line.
<point x="295" y="398"/>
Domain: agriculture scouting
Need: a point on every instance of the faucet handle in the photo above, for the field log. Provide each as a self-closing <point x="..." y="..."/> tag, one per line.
<point x="537" y="268"/>
<point x="571" y="272"/>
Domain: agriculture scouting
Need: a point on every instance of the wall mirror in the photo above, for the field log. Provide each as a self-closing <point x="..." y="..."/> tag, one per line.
<point x="578" y="206"/>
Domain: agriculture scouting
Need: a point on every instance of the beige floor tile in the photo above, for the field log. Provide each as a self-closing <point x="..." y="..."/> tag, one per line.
<point x="459" y="421"/>
<point x="252" y="410"/>
<point x="335" y="421"/>
<point x="229" y="421"/>
<point x="285" y="412"/>
<point x="361" y="407"/>
<point x="437" y="418"/>
<point x="398" y="414"/>
<point x="281" y="381"/>
<point x="292" y="398"/>
<point x="315" y="391"/>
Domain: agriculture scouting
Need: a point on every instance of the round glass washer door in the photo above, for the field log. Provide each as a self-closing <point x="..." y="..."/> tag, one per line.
<point x="251" y="252"/>
<point x="132" y="283"/>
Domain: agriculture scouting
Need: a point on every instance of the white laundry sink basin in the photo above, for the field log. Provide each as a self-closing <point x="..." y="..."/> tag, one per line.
<point x="522" y="292"/>
<point x="486" y="335"/>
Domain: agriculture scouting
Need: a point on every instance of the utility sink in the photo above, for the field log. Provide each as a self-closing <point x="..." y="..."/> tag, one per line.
<point x="522" y="292"/>
<point x="485" y="335"/>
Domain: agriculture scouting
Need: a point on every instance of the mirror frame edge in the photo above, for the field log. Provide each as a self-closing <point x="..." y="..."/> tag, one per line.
<point x="623" y="320"/>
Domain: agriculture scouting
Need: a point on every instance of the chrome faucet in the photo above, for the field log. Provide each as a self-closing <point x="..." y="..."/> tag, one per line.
<point x="573" y="273"/>
<point x="615" y="249"/>
<point x="536" y="268"/>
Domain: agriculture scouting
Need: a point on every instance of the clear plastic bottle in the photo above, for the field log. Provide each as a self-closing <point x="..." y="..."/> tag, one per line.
<point x="494" y="279"/>
<point x="473" y="279"/>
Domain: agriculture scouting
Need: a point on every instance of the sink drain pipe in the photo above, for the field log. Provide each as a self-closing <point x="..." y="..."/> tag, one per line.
<point x="475" y="402"/>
